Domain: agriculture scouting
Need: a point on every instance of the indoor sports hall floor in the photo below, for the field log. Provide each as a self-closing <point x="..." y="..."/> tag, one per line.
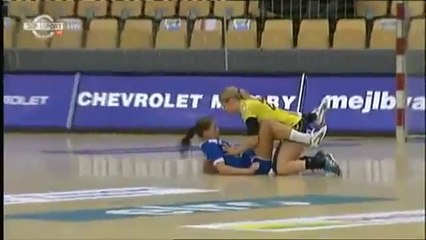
<point x="56" y="168"/>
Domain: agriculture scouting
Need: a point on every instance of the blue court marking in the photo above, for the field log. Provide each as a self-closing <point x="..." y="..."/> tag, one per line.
<point x="211" y="207"/>
<point x="161" y="149"/>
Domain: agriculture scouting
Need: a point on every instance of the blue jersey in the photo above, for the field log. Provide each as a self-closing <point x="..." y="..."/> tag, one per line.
<point x="213" y="149"/>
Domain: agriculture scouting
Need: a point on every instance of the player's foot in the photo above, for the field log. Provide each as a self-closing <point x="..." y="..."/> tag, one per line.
<point x="320" y="113"/>
<point x="331" y="165"/>
<point x="320" y="155"/>
<point x="318" y="136"/>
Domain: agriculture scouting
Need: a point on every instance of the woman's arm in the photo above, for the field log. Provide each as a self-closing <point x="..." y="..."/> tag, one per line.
<point x="209" y="168"/>
<point x="250" y="142"/>
<point x="252" y="139"/>
<point x="215" y="162"/>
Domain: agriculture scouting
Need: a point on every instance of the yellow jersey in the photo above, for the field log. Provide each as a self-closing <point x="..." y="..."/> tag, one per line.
<point x="262" y="110"/>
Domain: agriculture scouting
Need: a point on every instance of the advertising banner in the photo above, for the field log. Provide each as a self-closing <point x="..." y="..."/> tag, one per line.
<point x="415" y="113"/>
<point x="357" y="104"/>
<point x="365" y="104"/>
<point x="36" y="101"/>
<point x="169" y="102"/>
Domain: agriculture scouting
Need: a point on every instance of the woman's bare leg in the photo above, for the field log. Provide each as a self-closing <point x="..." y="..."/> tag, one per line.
<point x="266" y="140"/>
<point x="282" y="131"/>
<point x="288" y="160"/>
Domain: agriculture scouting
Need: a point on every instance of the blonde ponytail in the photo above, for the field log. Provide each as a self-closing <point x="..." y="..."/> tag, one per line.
<point x="234" y="92"/>
<point x="244" y="94"/>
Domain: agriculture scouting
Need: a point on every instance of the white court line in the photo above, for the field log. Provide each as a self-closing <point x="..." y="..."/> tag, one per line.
<point x="93" y="194"/>
<point x="330" y="222"/>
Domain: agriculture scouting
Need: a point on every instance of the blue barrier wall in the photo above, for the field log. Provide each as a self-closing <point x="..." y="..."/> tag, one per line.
<point x="71" y="102"/>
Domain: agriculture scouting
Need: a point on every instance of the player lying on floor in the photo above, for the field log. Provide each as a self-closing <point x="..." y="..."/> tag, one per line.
<point x="285" y="161"/>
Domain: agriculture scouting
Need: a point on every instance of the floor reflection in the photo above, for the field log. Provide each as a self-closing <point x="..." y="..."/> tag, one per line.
<point x="134" y="166"/>
<point x="372" y="171"/>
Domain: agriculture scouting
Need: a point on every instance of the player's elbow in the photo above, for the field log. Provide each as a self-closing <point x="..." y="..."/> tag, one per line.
<point x="209" y="168"/>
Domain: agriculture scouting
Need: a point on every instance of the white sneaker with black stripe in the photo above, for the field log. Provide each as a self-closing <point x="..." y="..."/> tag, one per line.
<point x="320" y="112"/>
<point x="318" y="136"/>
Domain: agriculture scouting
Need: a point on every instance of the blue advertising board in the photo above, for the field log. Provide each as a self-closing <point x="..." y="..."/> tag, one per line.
<point x="364" y="104"/>
<point x="357" y="104"/>
<point x="415" y="113"/>
<point x="168" y="102"/>
<point x="37" y="101"/>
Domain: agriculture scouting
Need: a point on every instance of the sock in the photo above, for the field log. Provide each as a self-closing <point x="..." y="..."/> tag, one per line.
<point x="314" y="162"/>
<point x="300" y="137"/>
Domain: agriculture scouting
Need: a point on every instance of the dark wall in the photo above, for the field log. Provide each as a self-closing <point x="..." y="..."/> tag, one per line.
<point x="211" y="61"/>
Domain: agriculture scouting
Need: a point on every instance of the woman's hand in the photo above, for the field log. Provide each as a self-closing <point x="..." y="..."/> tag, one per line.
<point x="232" y="150"/>
<point x="254" y="166"/>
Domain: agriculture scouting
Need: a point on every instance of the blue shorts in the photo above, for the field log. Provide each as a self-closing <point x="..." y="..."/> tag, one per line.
<point x="265" y="166"/>
<point x="275" y="156"/>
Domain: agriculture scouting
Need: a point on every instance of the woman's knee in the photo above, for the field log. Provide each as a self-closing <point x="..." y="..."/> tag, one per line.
<point x="284" y="172"/>
<point x="290" y="150"/>
<point x="282" y="165"/>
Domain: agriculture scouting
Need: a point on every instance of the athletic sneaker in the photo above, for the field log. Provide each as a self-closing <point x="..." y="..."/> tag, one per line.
<point x="318" y="136"/>
<point x="320" y="113"/>
<point x="331" y="165"/>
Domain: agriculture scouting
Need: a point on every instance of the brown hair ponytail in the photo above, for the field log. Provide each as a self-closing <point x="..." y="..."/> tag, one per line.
<point x="186" y="140"/>
<point x="200" y="126"/>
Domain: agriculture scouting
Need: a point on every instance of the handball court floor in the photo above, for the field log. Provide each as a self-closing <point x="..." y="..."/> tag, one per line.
<point x="49" y="163"/>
